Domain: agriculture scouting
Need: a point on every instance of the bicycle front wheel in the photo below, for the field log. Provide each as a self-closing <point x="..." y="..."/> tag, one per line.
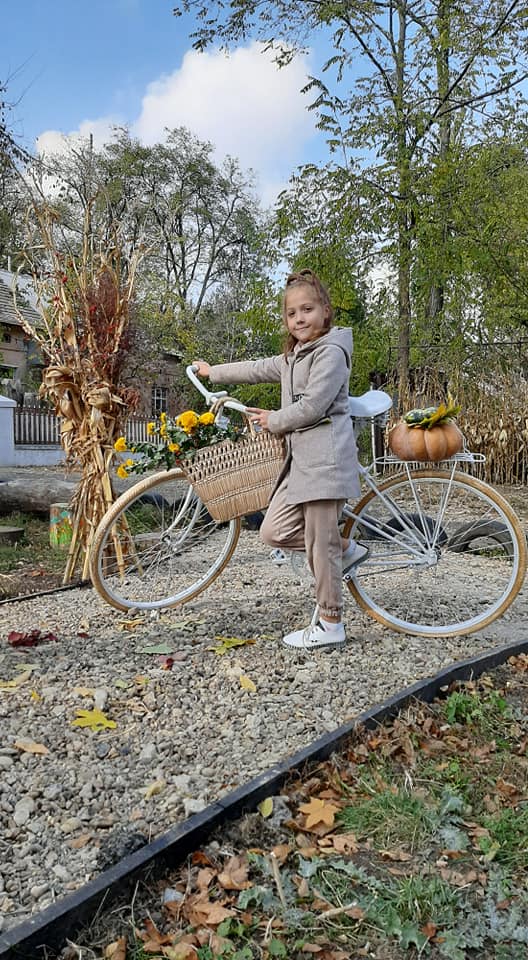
<point x="157" y="545"/>
<point x="447" y="554"/>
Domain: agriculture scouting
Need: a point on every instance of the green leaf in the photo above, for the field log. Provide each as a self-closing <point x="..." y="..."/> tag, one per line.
<point x="411" y="936"/>
<point x="276" y="948"/>
<point x="161" y="648"/>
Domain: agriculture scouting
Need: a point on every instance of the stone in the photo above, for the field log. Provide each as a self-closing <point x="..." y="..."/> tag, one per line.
<point x="23" y="810"/>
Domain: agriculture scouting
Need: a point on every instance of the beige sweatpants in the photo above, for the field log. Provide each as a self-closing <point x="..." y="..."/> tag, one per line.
<point x="313" y="527"/>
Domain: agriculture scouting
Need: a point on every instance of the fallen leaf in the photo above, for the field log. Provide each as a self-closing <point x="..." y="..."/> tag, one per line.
<point x="154" y="788"/>
<point x="79" y="842"/>
<point x="23" y="677"/>
<point x="281" y="852"/>
<point x="116" y="950"/>
<point x="84" y="691"/>
<point x="30" y="639"/>
<point x="130" y="624"/>
<point x="265" y="807"/>
<point x="166" y="663"/>
<point x="429" y="929"/>
<point x="201" y="911"/>
<point x="29" y="746"/>
<point x="234" y="876"/>
<point x="94" y="719"/>
<point x="35" y="696"/>
<point x="159" y="648"/>
<point x="344" y="842"/>
<point x="318" y="811"/>
<point x="247" y="684"/>
<point x="401" y="855"/>
<point x="227" y="643"/>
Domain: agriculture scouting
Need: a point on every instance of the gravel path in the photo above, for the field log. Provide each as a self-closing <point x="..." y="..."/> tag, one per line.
<point x="183" y="736"/>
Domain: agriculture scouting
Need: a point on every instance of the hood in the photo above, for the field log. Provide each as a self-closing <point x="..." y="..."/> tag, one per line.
<point x="339" y="336"/>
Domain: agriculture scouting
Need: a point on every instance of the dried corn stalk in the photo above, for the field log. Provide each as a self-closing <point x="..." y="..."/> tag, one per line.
<point x="83" y="299"/>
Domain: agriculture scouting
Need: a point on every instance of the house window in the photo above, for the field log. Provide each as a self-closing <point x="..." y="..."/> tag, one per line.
<point x="6" y="336"/>
<point x="159" y="400"/>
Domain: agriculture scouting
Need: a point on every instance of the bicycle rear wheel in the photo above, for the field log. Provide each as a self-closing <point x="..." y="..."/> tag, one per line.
<point x="157" y="545"/>
<point x="447" y="554"/>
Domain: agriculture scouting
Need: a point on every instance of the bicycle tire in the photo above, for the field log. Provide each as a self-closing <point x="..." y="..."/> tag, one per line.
<point x="157" y="546"/>
<point x="416" y="579"/>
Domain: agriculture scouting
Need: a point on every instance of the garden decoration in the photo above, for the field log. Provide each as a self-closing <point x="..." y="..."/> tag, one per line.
<point x="427" y="435"/>
<point x="83" y="297"/>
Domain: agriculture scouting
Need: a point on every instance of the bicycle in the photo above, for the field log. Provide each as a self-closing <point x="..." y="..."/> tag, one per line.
<point x="447" y="554"/>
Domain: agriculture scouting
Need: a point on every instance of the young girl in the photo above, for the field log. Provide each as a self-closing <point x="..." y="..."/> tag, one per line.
<point x="320" y="470"/>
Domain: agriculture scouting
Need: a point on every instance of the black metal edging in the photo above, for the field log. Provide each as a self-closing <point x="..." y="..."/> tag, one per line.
<point x="49" y="930"/>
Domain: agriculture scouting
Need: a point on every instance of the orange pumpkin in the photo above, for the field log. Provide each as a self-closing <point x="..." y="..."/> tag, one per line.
<point x="438" y="443"/>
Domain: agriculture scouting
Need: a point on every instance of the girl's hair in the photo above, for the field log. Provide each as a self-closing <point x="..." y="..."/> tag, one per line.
<point x="310" y="279"/>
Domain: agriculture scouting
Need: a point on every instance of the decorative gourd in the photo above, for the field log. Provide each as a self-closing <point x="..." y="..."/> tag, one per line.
<point x="427" y="435"/>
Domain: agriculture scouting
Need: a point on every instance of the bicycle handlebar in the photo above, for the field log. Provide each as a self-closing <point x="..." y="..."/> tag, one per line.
<point x="209" y="396"/>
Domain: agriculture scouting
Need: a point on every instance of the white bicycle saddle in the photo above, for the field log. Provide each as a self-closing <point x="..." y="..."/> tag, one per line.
<point x="369" y="404"/>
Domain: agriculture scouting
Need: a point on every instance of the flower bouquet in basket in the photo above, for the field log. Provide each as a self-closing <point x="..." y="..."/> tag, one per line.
<point x="231" y="478"/>
<point x="174" y="442"/>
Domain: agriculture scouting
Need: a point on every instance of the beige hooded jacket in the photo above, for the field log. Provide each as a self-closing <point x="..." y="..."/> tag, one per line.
<point x="321" y="450"/>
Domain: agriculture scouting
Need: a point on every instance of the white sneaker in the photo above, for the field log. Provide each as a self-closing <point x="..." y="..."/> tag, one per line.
<point x="355" y="554"/>
<point x="315" y="636"/>
<point x="278" y="557"/>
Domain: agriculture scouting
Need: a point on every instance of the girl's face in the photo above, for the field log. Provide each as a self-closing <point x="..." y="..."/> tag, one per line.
<point x="305" y="315"/>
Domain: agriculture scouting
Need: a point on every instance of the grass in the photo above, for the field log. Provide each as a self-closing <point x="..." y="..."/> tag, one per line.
<point x="32" y="554"/>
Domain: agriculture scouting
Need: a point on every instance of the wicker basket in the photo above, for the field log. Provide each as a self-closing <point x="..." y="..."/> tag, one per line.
<point x="236" y="478"/>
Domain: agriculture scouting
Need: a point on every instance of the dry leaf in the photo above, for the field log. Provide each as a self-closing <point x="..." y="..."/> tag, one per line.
<point x="227" y="643"/>
<point x="94" y="719"/>
<point x="116" y="950"/>
<point x="130" y="624"/>
<point x="84" y="691"/>
<point x="200" y="911"/>
<point x="205" y="877"/>
<point x="29" y="746"/>
<point x="401" y="855"/>
<point x="281" y="852"/>
<point x="79" y="842"/>
<point x="154" y="788"/>
<point x="23" y="677"/>
<point x="265" y="808"/>
<point x="247" y="684"/>
<point x="234" y="874"/>
<point x="35" y="696"/>
<point x="344" y="842"/>
<point x="318" y="812"/>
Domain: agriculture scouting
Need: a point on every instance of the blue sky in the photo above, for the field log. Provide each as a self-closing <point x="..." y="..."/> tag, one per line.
<point x="80" y="66"/>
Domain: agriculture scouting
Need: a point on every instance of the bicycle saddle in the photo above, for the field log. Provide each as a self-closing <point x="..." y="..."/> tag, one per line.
<point x="369" y="404"/>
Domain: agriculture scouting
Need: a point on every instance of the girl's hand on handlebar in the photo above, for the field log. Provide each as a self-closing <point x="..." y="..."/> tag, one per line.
<point x="259" y="416"/>
<point x="201" y="368"/>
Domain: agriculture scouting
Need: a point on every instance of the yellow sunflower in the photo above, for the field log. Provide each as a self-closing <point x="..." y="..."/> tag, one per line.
<point x="120" y="445"/>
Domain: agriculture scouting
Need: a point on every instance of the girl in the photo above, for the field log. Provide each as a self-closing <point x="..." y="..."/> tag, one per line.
<point x="320" y="469"/>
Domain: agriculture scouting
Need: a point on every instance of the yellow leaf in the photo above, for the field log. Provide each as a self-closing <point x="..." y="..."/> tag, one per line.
<point x="35" y="696"/>
<point x="29" y="746"/>
<point x="94" y="719"/>
<point x="227" y="643"/>
<point x="247" y="684"/>
<point x="318" y="811"/>
<point x="266" y="807"/>
<point x="18" y="681"/>
<point x="154" y="788"/>
<point x="130" y="624"/>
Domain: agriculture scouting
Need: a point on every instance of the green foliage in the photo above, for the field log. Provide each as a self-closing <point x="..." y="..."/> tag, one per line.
<point x="487" y="714"/>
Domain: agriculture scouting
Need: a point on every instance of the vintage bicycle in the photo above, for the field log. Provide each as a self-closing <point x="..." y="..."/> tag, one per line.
<point x="447" y="554"/>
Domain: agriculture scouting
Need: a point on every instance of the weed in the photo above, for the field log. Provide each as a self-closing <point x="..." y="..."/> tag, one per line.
<point x="487" y="714"/>
<point x="508" y="839"/>
<point x="389" y="818"/>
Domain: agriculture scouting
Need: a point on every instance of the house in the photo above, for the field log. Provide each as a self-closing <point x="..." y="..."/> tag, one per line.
<point x="20" y="361"/>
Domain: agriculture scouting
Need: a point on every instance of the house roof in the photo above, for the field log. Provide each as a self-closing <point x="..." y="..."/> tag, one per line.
<point x="8" y="313"/>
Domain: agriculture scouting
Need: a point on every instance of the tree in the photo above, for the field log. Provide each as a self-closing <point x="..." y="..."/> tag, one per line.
<point x="426" y="66"/>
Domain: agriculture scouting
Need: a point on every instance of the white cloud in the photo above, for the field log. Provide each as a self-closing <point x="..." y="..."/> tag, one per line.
<point x="242" y="103"/>
<point x="53" y="141"/>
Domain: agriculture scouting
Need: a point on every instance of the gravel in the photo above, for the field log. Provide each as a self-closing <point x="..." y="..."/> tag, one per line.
<point x="183" y="736"/>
